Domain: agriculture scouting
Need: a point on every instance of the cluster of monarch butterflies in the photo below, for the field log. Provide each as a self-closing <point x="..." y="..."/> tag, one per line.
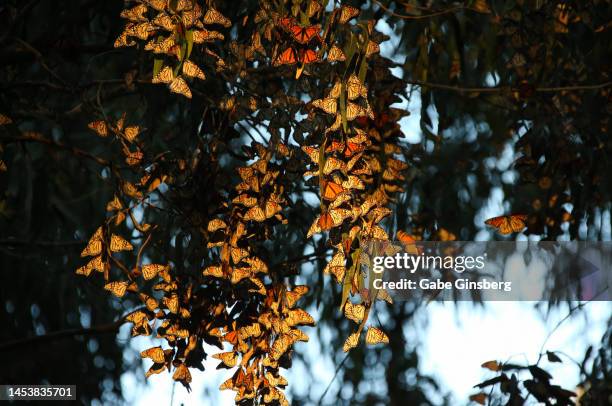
<point x="171" y="28"/>
<point x="354" y="164"/>
<point x="262" y="342"/>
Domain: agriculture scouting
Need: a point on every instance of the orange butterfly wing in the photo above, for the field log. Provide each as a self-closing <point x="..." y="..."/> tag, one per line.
<point x="287" y="57"/>
<point x="304" y="35"/>
<point x="308" y="56"/>
<point x="325" y="221"/>
<point x="287" y="23"/>
<point x="331" y="190"/>
<point x="513" y="223"/>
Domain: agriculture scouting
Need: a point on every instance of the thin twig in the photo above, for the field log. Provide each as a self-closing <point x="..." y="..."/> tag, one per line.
<point x="449" y="10"/>
<point x="333" y="378"/>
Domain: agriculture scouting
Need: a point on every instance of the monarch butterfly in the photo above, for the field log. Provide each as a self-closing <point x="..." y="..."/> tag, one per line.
<point x="141" y="31"/>
<point x="335" y="146"/>
<point x="287" y="57"/>
<point x="117" y="288"/>
<point x="375" y="336"/>
<point x="164" y="21"/>
<point x="512" y="223"/>
<point x="99" y="127"/>
<point x="280" y="346"/>
<point x="274" y="381"/>
<point x="354" y="110"/>
<point x="294" y="295"/>
<point x="192" y="70"/>
<point x="304" y="35"/>
<point x="335" y="91"/>
<point x="351" y="342"/>
<point x="229" y="359"/>
<point x="182" y="375"/>
<point x="271" y="208"/>
<point x="155" y="353"/>
<point x="287" y="23"/>
<point x="372" y="48"/>
<point x="352" y="149"/>
<point x="347" y="13"/>
<point x="171" y="302"/>
<point x="135" y="14"/>
<point x="118" y="243"/>
<point x="328" y="105"/>
<point x="4" y="120"/>
<point x="123" y="40"/>
<point x="189" y="18"/>
<point x="333" y="164"/>
<point x="150" y="271"/>
<point x="202" y="36"/>
<point x="164" y="76"/>
<point x="215" y="224"/>
<point x="94" y="246"/>
<point x="335" y="54"/>
<point x="355" y="88"/>
<point x="130" y="133"/>
<point x="212" y="16"/>
<point x="256" y="265"/>
<point x="133" y="158"/>
<point x="184" y="5"/>
<point x="214" y="271"/>
<point x="331" y="190"/>
<point x="114" y="204"/>
<point x="255" y="213"/>
<point x="354" y="312"/>
<point x="307" y="56"/>
<point x="178" y="85"/>
<point x="158" y="5"/>
<point x="299" y="317"/>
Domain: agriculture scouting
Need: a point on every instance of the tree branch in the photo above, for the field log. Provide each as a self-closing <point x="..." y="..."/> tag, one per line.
<point x="500" y="89"/>
<point x="449" y="10"/>
<point x="58" y="335"/>
<point x="34" y="137"/>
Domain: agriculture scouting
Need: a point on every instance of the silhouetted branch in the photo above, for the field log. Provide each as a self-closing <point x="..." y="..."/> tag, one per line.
<point x="58" y="335"/>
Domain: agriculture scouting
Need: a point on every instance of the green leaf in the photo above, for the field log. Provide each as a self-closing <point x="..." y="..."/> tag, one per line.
<point x="189" y="38"/>
<point x="158" y="63"/>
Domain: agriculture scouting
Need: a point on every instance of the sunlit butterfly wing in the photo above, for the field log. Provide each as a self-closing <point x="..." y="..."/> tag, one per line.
<point x="201" y="36"/>
<point x="117" y="288"/>
<point x="354" y="312"/>
<point x="372" y="48"/>
<point x="99" y="127"/>
<point x="164" y="76"/>
<point x="118" y="243"/>
<point x="328" y="105"/>
<point x="347" y="13"/>
<point x="304" y="35"/>
<point x="308" y="56"/>
<point x="212" y="16"/>
<point x="351" y="342"/>
<point x="287" y="57"/>
<point x="179" y="86"/>
<point x="331" y="190"/>
<point x="335" y="54"/>
<point x="192" y="70"/>
<point x="376" y="336"/>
